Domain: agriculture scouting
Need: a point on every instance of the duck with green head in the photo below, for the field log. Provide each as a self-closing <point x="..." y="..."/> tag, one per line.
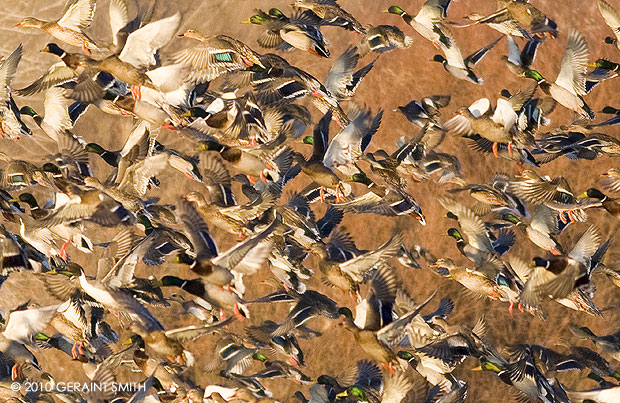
<point x="570" y="85"/>
<point x="331" y="14"/>
<point x="283" y="33"/>
<point x="314" y="167"/>
<point x="611" y="205"/>
<point x="428" y="22"/>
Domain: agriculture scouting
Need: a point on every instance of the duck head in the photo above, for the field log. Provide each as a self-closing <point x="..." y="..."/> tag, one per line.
<point x="593" y="193"/>
<point x="395" y="10"/>
<point x="30" y="22"/>
<point x="54" y="49"/>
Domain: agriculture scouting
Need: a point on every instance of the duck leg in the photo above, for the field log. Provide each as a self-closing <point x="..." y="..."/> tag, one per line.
<point x="339" y="198"/>
<point x="238" y="313"/>
<point x="510" y="150"/>
<point x="86" y="50"/>
<point x="510" y="308"/>
<point x="14" y="372"/>
<point x="74" y="354"/>
<point x="519" y="166"/>
<point x="390" y="368"/>
<point x="494" y="148"/>
<point x="136" y="91"/>
<point x="322" y="194"/>
<point x="63" y="250"/>
<point x="251" y="179"/>
<point x="168" y="126"/>
<point x="562" y="218"/>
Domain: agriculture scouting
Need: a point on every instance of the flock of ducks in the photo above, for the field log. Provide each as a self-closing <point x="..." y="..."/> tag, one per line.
<point x="249" y="118"/>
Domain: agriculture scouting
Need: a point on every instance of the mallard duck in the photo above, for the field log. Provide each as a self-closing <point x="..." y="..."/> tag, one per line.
<point x="541" y="230"/>
<point x="569" y="87"/>
<point x="523" y="374"/>
<point x="347" y="275"/>
<point x="331" y="13"/>
<point x="502" y="23"/>
<point x="168" y="343"/>
<point x="600" y="395"/>
<point x="314" y="166"/>
<point x="72" y="70"/>
<point x="383" y="38"/>
<point x="429" y="21"/>
<point x="397" y="388"/>
<point x="72" y="321"/>
<point x="378" y="343"/>
<point x="349" y="145"/>
<point x="610" y="205"/>
<point x="115" y="298"/>
<point x="387" y="200"/>
<point x="77" y="16"/>
<point x="611" y="179"/>
<point x="341" y="81"/>
<point x="554" y="193"/>
<point x="370" y="313"/>
<point x="211" y="293"/>
<point x="608" y="344"/>
<point x="299" y="32"/>
<point x="86" y="204"/>
<point x="128" y="66"/>
<point x="232" y="353"/>
<point x="56" y="121"/>
<point x="215" y="55"/>
<point x="232" y="219"/>
<point x="519" y="61"/>
<point x="308" y="305"/>
<point x="11" y="125"/>
<point x="603" y="70"/>
<point x="558" y="276"/>
<point x="132" y="183"/>
<point x="493" y="196"/>
<point x="285" y="344"/>
<point x="528" y="16"/>
<point x="610" y="15"/>
<point x="460" y="68"/>
<point x="425" y="111"/>
<point x="471" y="224"/>
<point x="169" y="375"/>
<point x="476" y="281"/>
<point x="280" y="369"/>
<point x="268" y="161"/>
<point x="20" y="330"/>
<point x="283" y="82"/>
<point x="498" y="128"/>
<point x="244" y="258"/>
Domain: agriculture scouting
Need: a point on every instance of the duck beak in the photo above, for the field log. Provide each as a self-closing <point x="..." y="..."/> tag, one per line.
<point x="583" y="195"/>
<point x="45" y="49"/>
<point x="478" y="368"/>
<point x="593" y="65"/>
<point x="246" y="21"/>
